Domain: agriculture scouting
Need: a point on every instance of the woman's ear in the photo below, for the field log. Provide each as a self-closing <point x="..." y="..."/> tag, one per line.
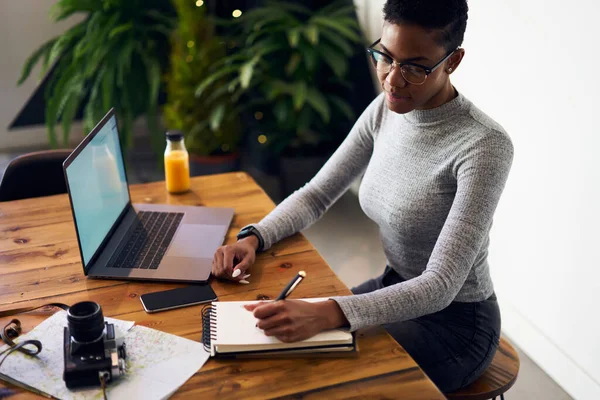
<point x="454" y="60"/>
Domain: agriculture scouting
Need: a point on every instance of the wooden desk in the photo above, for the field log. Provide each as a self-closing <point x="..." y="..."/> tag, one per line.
<point x="40" y="263"/>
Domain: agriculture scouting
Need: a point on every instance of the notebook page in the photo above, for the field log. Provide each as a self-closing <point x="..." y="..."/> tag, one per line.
<point x="237" y="331"/>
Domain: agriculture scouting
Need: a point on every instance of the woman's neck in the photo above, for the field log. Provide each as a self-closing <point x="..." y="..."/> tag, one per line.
<point x="446" y="94"/>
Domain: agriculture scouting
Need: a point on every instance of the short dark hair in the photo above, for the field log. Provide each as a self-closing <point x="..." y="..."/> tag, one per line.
<point x="449" y="16"/>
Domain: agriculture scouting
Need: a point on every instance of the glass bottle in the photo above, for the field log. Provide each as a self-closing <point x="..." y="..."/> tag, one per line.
<point x="177" y="163"/>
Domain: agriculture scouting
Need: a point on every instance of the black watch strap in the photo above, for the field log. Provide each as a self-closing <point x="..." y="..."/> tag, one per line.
<point x="251" y="230"/>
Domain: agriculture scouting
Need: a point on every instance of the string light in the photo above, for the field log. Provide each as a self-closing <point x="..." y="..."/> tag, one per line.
<point x="258" y="115"/>
<point x="262" y="139"/>
<point x="236" y="13"/>
<point x="189" y="58"/>
<point x="199" y="3"/>
<point x="190" y="44"/>
<point x="225" y="147"/>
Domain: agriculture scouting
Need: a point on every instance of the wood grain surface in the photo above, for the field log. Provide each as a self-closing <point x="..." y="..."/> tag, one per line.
<point x="40" y="263"/>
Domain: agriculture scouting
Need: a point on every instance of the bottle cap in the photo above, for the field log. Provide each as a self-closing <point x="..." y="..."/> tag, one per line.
<point x="174" y="135"/>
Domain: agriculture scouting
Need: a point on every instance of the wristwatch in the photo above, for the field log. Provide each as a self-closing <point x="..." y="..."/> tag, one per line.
<point x="250" y="230"/>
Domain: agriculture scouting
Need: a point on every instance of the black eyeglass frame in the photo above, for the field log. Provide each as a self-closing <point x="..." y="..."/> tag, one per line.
<point x="428" y="70"/>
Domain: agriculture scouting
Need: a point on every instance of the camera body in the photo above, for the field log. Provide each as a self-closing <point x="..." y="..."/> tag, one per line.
<point x="93" y="349"/>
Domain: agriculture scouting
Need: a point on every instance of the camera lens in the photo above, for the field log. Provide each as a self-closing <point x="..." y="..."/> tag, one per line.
<point x="86" y="322"/>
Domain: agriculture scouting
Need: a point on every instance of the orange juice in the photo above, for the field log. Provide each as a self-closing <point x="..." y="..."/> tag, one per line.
<point x="177" y="171"/>
<point x="177" y="163"/>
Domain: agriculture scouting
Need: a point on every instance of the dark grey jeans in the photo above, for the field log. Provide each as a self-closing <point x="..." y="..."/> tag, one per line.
<point x="453" y="346"/>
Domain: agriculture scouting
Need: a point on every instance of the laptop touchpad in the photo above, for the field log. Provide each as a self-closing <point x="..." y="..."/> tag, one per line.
<point x="198" y="241"/>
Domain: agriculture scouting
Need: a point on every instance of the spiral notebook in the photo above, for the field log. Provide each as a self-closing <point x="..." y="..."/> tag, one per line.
<point x="228" y="329"/>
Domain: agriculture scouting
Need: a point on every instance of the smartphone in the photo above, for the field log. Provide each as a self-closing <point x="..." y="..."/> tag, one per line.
<point x="177" y="298"/>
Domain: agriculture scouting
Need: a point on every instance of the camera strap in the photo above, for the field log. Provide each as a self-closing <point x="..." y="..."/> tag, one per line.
<point x="12" y="330"/>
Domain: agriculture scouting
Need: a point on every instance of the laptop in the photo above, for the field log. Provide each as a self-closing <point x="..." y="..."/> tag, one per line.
<point x="121" y="240"/>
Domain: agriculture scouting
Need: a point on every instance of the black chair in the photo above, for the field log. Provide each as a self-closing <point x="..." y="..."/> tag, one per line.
<point x="34" y="174"/>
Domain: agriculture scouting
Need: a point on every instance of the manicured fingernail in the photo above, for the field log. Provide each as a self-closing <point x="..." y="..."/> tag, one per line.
<point x="245" y="282"/>
<point x="236" y="273"/>
<point x="246" y="276"/>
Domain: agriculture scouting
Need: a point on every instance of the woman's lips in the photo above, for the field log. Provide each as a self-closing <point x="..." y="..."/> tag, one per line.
<point x="394" y="98"/>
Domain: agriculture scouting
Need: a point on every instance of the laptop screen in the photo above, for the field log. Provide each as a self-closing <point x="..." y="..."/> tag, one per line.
<point x="98" y="188"/>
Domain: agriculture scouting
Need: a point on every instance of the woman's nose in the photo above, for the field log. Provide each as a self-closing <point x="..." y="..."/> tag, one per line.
<point x="395" y="78"/>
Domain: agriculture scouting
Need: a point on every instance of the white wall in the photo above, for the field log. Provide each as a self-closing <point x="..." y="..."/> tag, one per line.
<point x="532" y="66"/>
<point x="24" y="26"/>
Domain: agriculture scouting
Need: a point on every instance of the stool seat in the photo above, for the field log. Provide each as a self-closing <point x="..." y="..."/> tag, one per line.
<point x="497" y="378"/>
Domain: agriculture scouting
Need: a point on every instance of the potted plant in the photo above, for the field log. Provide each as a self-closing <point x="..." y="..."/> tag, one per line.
<point x="113" y="58"/>
<point x="290" y="64"/>
<point x="210" y="122"/>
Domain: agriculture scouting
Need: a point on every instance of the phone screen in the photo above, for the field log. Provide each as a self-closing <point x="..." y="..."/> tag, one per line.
<point x="175" y="298"/>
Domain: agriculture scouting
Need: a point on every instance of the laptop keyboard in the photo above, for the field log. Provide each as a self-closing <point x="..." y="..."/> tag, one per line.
<point x="149" y="240"/>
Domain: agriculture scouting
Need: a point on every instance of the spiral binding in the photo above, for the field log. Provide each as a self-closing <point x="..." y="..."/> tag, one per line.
<point x="209" y="325"/>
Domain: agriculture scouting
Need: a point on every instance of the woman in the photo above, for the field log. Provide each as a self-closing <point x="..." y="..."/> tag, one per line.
<point x="434" y="168"/>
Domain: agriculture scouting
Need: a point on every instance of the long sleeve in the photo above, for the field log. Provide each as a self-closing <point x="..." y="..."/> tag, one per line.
<point x="307" y="205"/>
<point x="480" y="170"/>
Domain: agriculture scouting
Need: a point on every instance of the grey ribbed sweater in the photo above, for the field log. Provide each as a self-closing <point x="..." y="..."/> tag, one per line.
<point x="432" y="180"/>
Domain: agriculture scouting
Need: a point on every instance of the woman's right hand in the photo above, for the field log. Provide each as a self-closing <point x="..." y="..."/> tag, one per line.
<point x="240" y="255"/>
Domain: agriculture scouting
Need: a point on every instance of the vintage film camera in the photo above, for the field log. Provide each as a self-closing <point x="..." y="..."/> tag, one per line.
<point x="94" y="351"/>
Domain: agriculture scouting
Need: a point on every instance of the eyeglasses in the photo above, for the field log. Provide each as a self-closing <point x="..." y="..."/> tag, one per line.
<point x="415" y="74"/>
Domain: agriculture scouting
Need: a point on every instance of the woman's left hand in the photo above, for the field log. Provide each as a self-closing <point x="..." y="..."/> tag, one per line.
<point x="295" y="320"/>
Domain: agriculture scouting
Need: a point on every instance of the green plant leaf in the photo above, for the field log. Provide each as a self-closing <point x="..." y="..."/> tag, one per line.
<point x="281" y="112"/>
<point x="108" y="82"/>
<point x="349" y="22"/>
<point x="62" y="92"/>
<point x="318" y="102"/>
<point x="343" y="106"/>
<point x="68" y="115"/>
<point x="153" y="75"/>
<point x="268" y="48"/>
<point x="162" y="18"/>
<point x="337" y="42"/>
<point x="206" y="83"/>
<point x="292" y="65"/>
<point x="300" y="95"/>
<point x="232" y="85"/>
<point x="222" y="90"/>
<point x="258" y="17"/>
<point x="216" y="117"/>
<point x="293" y="37"/>
<point x="65" y="8"/>
<point x="305" y="119"/>
<point x="65" y="43"/>
<point x="274" y="88"/>
<point x="311" y="32"/>
<point x="246" y="72"/>
<point x="337" y="27"/>
<point x="163" y="29"/>
<point x="332" y="7"/>
<point x="124" y="60"/>
<point x="44" y="50"/>
<point x="120" y="29"/>
<point x="337" y="62"/>
<point x="310" y="57"/>
<point x="346" y="11"/>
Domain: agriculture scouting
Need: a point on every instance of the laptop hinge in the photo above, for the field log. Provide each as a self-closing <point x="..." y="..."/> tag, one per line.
<point x="116" y="239"/>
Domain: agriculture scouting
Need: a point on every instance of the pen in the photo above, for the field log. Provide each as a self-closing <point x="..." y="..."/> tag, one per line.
<point x="291" y="286"/>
